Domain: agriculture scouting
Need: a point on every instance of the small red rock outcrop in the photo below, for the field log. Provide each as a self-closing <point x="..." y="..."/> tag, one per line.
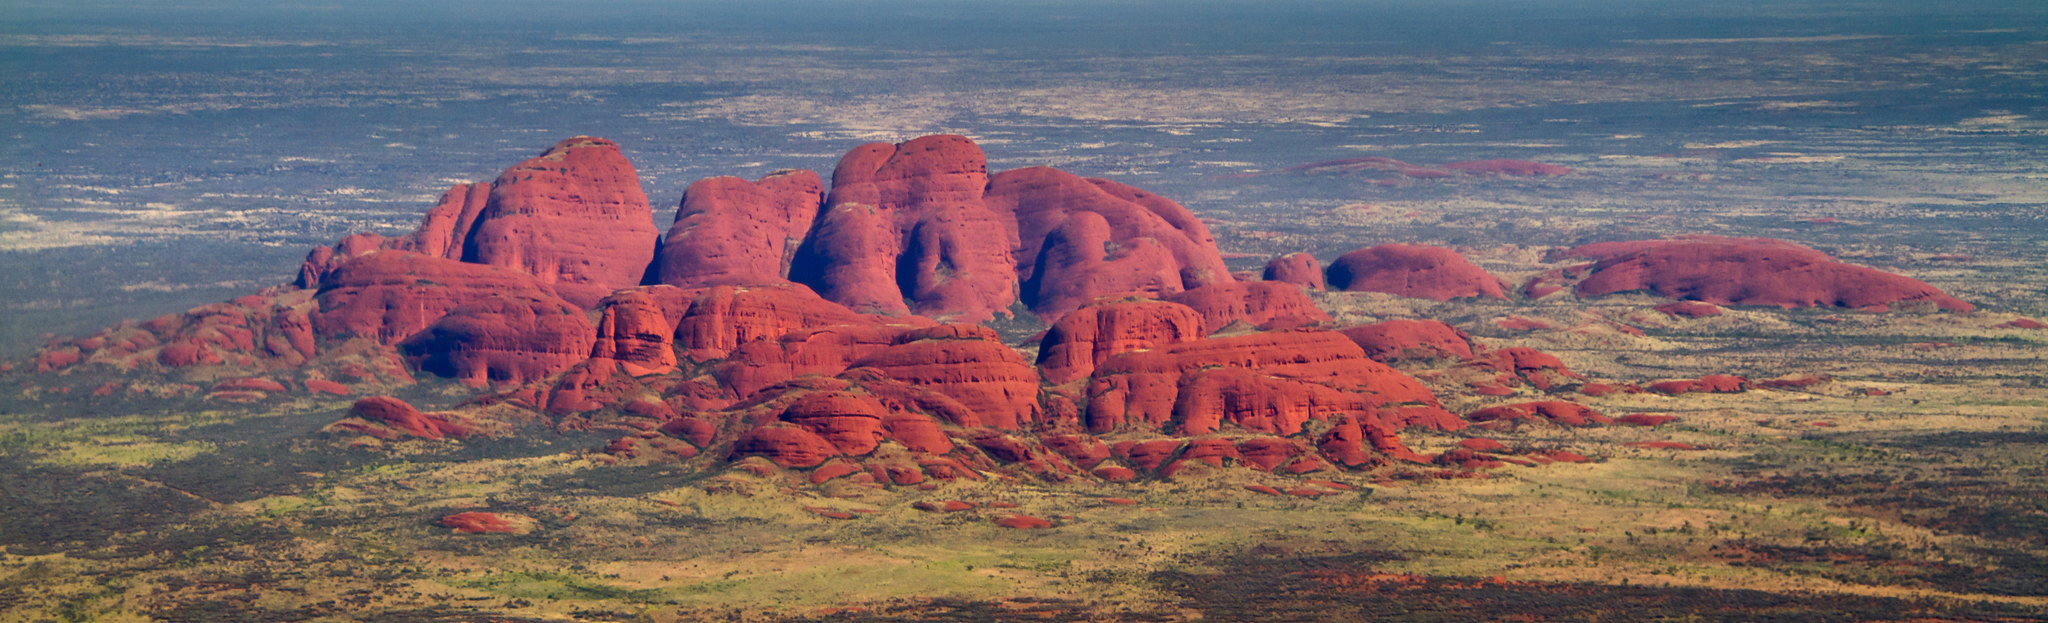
<point x="1299" y="269"/>
<point x="1415" y="271"/>
<point x="1403" y="339"/>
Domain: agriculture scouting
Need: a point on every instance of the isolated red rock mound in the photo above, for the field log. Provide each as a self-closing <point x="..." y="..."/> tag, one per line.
<point x="732" y="232"/>
<point x="1086" y="337"/>
<point x="574" y="217"/>
<point x="1262" y="304"/>
<point x="1299" y="269"/>
<point x="401" y="416"/>
<point x="1566" y="413"/>
<point x="1415" y="271"/>
<point x="1403" y="339"/>
<point x="1748" y="271"/>
<point x="1522" y="364"/>
<point x="477" y="522"/>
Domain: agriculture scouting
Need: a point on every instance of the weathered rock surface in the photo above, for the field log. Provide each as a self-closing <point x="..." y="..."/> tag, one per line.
<point x="1262" y="304"/>
<point x="1748" y="271"/>
<point x="1081" y="238"/>
<point x="1086" y="337"/>
<point x="732" y="232"/>
<point x="1281" y="380"/>
<point x="1300" y="269"/>
<point x="1415" y="271"/>
<point x="505" y="339"/>
<point x="390" y="295"/>
<point x="1403" y="339"/>
<point x="574" y="217"/>
<point x="905" y="228"/>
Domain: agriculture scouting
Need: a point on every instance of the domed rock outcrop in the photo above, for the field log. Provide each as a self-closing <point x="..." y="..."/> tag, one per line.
<point x="1081" y="238"/>
<point x="1145" y="387"/>
<point x="1748" y="271"/>
<point x="1262" y="304"/>
<point x="1299" y="269"/>
<point x="732" y="232"/>
<point x="445" y="230"/>
<point x="905" y="229"/>
<point x="574" y="217"/>
<point x="724" y="317"/>
<point x="1086" y="337"/>
<point x="637" y="329"/>
<point x="1403" y="339"/>
<point x="852" y="423"/>
<point x="505" y="339"/>
<point x="967" y="364"/>
<point x="1415" y="271"/>
<point x="391" y="295"/>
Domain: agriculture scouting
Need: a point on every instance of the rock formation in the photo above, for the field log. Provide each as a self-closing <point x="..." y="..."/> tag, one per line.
<point x="1748" y="271"/>
<point x="1415" y="271"/>
<point x="1299" y="269"/>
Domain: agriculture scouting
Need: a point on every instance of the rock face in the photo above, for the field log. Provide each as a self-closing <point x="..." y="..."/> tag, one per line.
<point x="391" y="295"/>
<point x="967" y="364"/>
<point x="1086" y="337"/>
<point x="573" y="217"/>
<point x="723" y="318"/>
<point x="1402" y="339"/>
<point x="1264" y="382"/>
<point x="504" y="340"/>
<point x="400" y="416"/>
<point x="445" y="231"/>
<point x="1415" y="271"/>
<point x="638" y="328"/>
<point x="1081" y="238"/>
<point x="732" y="232"/>
<point x="1262" y="304"/>
<point x="1748" y="271"/>
<point x="905" y="228"/>
<point x="1299" y="269"/>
